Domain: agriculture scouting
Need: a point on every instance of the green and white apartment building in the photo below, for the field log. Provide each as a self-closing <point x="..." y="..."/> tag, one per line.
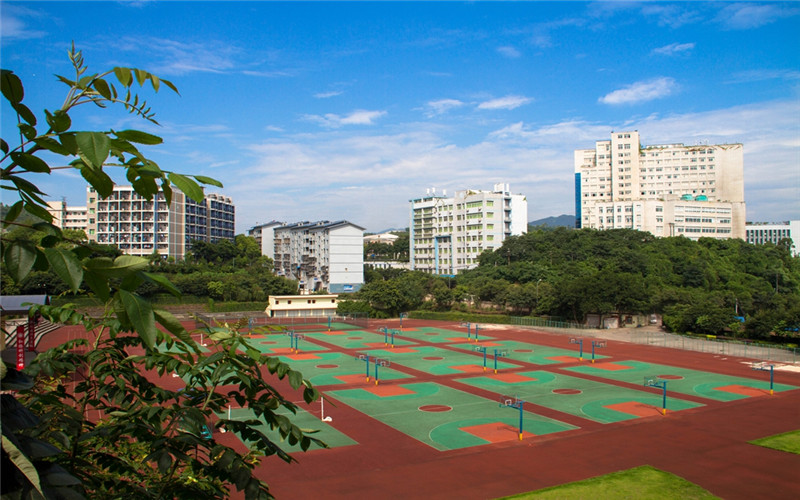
<point x="448" y="234"/>
<point x="667" y="189"/>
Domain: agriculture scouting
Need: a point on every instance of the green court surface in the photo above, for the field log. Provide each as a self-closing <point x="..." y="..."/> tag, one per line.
<point x="683" y="380"/>
<point x="439" y="335"/>
<point x="356" y="339"/>
<point x="303" y="419"/>
<point x="596" y="401"/>
<point x="530" y="353"/>
<point x="437" y="360"/>
<point x="334" y="368"/>
<point x="277" y="343"/>
<point x="445" y="418"/>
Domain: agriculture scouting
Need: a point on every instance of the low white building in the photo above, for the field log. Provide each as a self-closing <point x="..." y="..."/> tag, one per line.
<point x="768" y="232"/>
<point x="301" y="306"/>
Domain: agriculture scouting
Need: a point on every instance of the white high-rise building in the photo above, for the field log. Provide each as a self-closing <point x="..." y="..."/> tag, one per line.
<point x="320" y="255"/>
<point x="264" y="235"/>
<point x="447" y="235"/>
<point x="768" y="232"/>
<point x="142" y="227"/>
<point x="667" y="189"/>
<point x="67" y="216"/>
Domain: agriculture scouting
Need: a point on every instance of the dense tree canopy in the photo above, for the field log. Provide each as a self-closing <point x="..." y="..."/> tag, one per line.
<point x="697" y="286"/>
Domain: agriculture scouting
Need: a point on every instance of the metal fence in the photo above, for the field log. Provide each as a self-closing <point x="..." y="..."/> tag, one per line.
<point x="738" y="348"/>
<point x="727" y="347"/>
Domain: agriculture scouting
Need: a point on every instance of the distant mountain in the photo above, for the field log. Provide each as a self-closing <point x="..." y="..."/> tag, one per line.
<point x="561" y="220"/>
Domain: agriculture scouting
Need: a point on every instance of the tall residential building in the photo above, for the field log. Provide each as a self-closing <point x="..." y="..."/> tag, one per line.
<point x="447" y="235"/>
<point x="141" y="227"/>
<point x="667" y="189"/>
<point x="265" y="237"/>
<point x="320" y="255"/>
<point x="765" y="232"/>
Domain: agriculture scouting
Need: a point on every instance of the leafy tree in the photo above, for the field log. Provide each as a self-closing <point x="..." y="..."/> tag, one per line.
<point x="142" y="440"/>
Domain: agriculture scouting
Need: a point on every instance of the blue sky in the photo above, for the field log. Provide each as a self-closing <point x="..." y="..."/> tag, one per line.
<point x="312" y="111"/>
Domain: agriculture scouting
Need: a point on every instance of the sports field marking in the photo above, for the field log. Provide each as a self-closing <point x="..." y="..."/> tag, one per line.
<point x="583" y="398"/>
<point x="439" y="361"/>
<point x="743" y="390"/>
<point x="336" y="368"/>
<point x="496" y="432"/>
<point x="685" y="381"/>
<point x="442" y="430"/>
<point x="303" y="419"/>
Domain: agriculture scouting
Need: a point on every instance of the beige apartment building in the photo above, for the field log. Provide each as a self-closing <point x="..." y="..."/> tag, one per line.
<point x="138" y="226"/>
<point x="667" y="189"/>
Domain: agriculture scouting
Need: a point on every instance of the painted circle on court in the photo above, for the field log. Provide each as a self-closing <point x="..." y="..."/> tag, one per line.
<point x="433" y="358"/>
<point x="567" y="391"/>
<point x="523" y="350"/>
<point x="670" y="377"/>
<point x="435" y="408"/>
<point x="327" y="366"/>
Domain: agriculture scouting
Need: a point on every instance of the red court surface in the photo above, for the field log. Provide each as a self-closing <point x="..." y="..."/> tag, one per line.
<point x="705" y="445"/>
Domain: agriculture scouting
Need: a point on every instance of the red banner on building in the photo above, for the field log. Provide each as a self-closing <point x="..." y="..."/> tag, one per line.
<point x="31" y="334"/>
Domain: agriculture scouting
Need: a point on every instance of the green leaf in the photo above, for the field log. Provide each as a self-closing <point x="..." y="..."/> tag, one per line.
<point x="101" y="86"/>
<point x="188" y="186"/>
<point x="98" y="179"/>
<point x="163" y="281"/>
<point x="4" y="146"/>
<point x="145" y="186"/>
<point x="51" y="145"/>
<point x="66" y="266"/>
<point x="14" y="211"/>
<point x="295" y="379"/>
<point x="27" y="131"/>
<point x="98" y="284"/>
<point x="171" y="323"/>
<point x="58" y="121"/>
<point x="139" y="137"/>
<point x="69" y="142"/>
<point x="19" y="258"/>
<point x="38" y="211"/>
<point x="140" y="314"/>
<point x="119" y="267"/>
<point x="141" y="75"/>
<point x="30" y="162"/>
<point x="167" y="191"/>
<point x="156" y="83"/>
<point x="170" y="85"/>
<point x="24" y="113"/>
<point x="93" y="147"/>
<point x="123" y="76"/>
<point x="207" y="180"/>
<point x="11" y="86"/>
<point x="19" y="459"/>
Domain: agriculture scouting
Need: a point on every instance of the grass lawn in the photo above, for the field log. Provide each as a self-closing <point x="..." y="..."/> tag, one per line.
<point x="641" y="483"/>
<point x="788" y="441"/>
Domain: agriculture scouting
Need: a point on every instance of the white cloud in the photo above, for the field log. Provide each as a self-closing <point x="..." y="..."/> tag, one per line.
<point x="641" y="91"/>
<point x="358" y="117"/>
<point x="509" y="52"/>
<point x="742" y="16"/>
<point x="13" y="27"/>
<point x="758" y="75"/>
<point x="441" y="106"/>
<point x="326" y="95"/>
<point x="673" y="49"/>
<point x="507" y="102"/>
